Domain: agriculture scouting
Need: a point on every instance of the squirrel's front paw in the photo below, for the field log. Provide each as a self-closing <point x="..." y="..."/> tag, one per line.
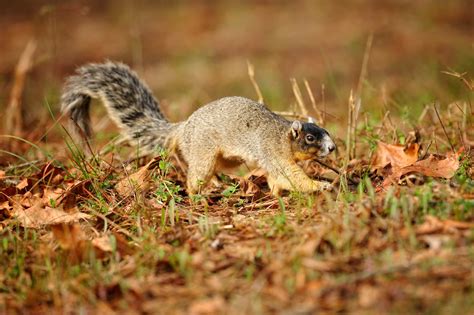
<point x="327" y="186"/>
<point x="324" y="186"/>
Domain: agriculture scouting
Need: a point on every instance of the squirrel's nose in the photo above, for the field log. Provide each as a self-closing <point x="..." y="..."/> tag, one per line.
<point x="331" y="147"/>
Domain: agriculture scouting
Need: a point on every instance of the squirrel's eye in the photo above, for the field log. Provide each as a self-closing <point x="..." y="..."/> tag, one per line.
<point x="309" y="138"/>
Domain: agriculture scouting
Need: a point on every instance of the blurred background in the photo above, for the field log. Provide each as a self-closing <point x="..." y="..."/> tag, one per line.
<point x="192" y="52"/>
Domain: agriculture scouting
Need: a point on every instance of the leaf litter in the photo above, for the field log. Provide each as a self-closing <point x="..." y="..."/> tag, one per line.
<point x="395" y="161"/>
<point x="130" y="240"/>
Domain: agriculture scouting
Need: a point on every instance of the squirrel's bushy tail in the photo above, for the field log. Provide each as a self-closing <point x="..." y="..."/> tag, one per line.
<point x="128" y="100"/>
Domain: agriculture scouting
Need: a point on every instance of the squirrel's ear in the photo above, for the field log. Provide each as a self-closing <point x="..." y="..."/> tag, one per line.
<point x="296" y="127"/>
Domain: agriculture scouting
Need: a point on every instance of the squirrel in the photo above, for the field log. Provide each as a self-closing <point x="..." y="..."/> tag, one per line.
<point x="224" y="133"/>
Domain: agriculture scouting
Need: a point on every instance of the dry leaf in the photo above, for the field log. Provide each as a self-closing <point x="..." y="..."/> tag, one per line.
<point x="436" y="241"/>
<point x="50" y="195"/>
<point x="368" y="295"/>
<point x="278" y="293"/>
<point x="50" y="174"/>
<point x="68" y="235"/>
<point x="5" y="205"/>
<point x="39" y="215"/>
<point x="23" y="184"/>
<point x="73" y="239"/>
<point x="396" y="155"/>
<point x="257" y="176"/>
<point x="103" y="243"/>
<point x="214" y="305"/>
<point x="460" y="225"/>
<point x="248" y="188"/>
<point x="432" y="166"/>
<point x="433" y="225"/>
<point x="2" y="174"/>
<point x="137" y="180"/>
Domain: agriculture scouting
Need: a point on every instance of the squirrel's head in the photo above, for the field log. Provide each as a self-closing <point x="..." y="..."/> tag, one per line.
<point x="309" y="141"/>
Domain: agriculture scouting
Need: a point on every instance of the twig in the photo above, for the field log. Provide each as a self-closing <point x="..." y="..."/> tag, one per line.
<point x="14" y="119"/>
<point x="313" y="103"/>
<point x="427" y="149"/>
<point x="323" y="100"/>
<point x="355" y="101"/>
<point x="460" y="76"/>
<point x="365" y="61"/>
<point x="444" y="129"/>
<point x="299" y="97"/>
<point x="350" y="121"/>
<point x="251" y="72"/>
<point x="335" y="170"/>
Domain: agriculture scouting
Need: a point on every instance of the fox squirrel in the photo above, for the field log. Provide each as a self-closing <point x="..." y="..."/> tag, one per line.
<point x="226" y="132"/>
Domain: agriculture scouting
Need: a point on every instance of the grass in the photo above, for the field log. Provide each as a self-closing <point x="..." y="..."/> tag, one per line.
<point x="357" y="248"/>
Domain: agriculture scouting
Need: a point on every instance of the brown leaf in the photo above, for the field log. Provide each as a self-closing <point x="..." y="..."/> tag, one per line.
<point x="433" y="225"/>
<point x="396" y="155"/>
<point x="248" y="187"/>
<point x="368" y="295"/>
<point x="39" y="215"/>
<point x="68" y="235"/>
<point x="460" y="225"/>
<point x="257" y="176"/>
<point x="103" y="243"/>
<point x="213" y="305"/>
<point x="52" y="195"/>
<point x="73" y="240"/>
<point x="5" y="205"/>
<point x="7" y="193"/>
<point x="137" y="180"/>
<point x="2" y="174"/>
<point x="50" y="174"/>
<point x="23" y="184"/>
<point x="69" y="197"/>
<point x="432" y="166"/>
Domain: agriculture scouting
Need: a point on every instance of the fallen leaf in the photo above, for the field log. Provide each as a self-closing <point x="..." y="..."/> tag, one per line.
<point x="51" y="196"/>
<point x="213" y="305"/>
<point x="68" y="235"/>
<point x="248" y="187"/>
<point x="137" y="180"/>
<point x="436" y="241"/>
<point x="277" y="293"/>
<point x="50" y="174"/>
<point x="103" y="243"/>
<point x="308" y="248"/>
<point x="257" y="176"/>
<point x="396" y="155"/>
<point x="368" y="295"/>
<point x="460" y="225"/>
<point x="28" y="199"/>
<point x="433" y="225"/>
<point x="2" y="174"/>
<point x="40" y="215"/>
<point x="69" y="198"/>
<point x="73" y="240"/>
<point x="319" y="265"/>
<point x="5" y="205"/>
<point x="432" y="166"/>
<point x="23" y="184"/>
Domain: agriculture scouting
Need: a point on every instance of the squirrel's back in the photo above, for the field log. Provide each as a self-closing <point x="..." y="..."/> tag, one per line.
<point x="236" y="126"/>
